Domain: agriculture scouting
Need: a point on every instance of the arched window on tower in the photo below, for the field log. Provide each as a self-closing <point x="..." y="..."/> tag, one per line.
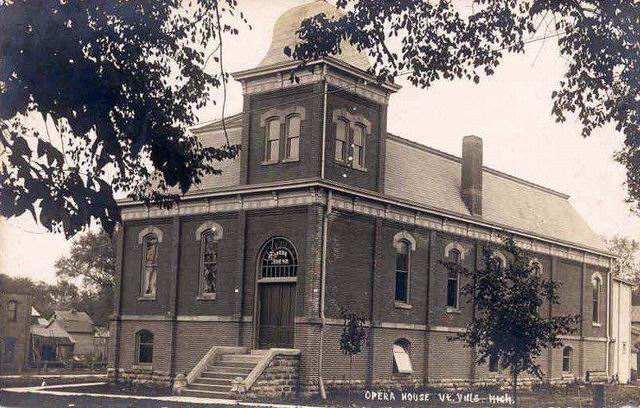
<point x="359" y="139"/>
<point x="293" y="137"/>
<point x="403" y="267"/>
<point x="342" y="136"/>
<point x="272" y="148"/>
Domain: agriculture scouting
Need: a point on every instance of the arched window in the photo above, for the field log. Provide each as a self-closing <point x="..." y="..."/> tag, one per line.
<point x="403" y="267"/>
<point x="144" y="347"/>
<point x="596" y="283"/>
<point x="272" y="148"/>
<point x="12" y="311"/>
<point x="149" y="265"/>
<point x="453" y="280"/>
<point x="342" y="135"/>
<point x="208" y="264"/>
<point x="402" y="357"/>
<point x="278" y="259"/>
<point x="567" y="359"/>
<point x="359" y="136"/>
<point x="293" y="137"/>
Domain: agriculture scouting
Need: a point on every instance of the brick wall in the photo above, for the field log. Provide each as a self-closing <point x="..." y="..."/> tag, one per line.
<point x="309" y="97"/>
<point x="279" y="380"/>
<point x="195" y="339"/>
<point x="17" y="330"/>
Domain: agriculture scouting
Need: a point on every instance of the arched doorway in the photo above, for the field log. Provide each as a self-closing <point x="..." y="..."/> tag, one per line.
<point x="277" y="277"/>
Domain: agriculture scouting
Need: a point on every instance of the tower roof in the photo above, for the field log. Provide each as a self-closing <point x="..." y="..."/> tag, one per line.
<point x="284" y="34"/>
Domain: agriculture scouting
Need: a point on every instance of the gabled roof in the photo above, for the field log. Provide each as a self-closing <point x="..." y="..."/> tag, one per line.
<point x="52" y="330"/>
<point x="73" y="321"/>
<point x="432" y="178"/>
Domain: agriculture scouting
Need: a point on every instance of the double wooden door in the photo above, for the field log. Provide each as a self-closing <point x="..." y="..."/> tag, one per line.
<point x="276" y="315"/>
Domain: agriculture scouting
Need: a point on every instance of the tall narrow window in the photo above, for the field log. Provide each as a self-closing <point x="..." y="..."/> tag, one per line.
<point x="342" y="135"/>
<point x="144" y="341"/>
<point x="493" y="363"/>
<point x="12" y="311"/>
<point x="293" y="137"/>
<point x="272" y="153"/>
<point x="567" y="356"/>
<point x="358" y="145"/>
<point x="208" y="264"/>
<point x="453" y="280"/>
<point x="149" y="265"/>
<point x="403" y="265"/>
<point x="597" y="285"/>
<point x="9" y="350"/>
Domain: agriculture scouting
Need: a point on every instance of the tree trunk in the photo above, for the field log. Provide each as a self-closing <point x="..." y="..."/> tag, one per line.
<point x="514" y="390"/>
<point x="350" y="366"/>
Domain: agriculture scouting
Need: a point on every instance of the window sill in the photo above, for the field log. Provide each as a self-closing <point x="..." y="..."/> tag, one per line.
<point x="596" y="325"/>
<point x="362" y="169"/>
<point x="145" y="367"/>
<point x="268" y="163"/>
<point x="147" y="298"/>
<point x="453" y="310"/>
<point x="402" y="305"/>
<point x="290" y="160"/>
<point x="205" y="297"/>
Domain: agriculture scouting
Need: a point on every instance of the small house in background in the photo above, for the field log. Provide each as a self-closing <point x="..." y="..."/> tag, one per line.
<point x="620" y="359"/>
<point x="15" y="319"/>
<point x="80" y="327"/>
<point x="100" y="344"/>
<point x="635" y="334"/>
<point x="50" y="344"/>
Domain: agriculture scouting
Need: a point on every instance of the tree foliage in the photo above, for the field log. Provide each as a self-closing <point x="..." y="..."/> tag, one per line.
<point x="626" y="250"/>
<point x="92" y="259"/>
<point x="96" y="98"/>
<point x="439" y="40"/>
<point x="508" y="300"/>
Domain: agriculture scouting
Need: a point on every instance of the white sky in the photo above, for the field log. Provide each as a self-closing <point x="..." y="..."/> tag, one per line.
<point x="510" y="111"/>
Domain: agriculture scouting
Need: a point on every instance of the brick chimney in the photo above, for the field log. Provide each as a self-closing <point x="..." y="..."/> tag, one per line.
<point x="472" y="174"/>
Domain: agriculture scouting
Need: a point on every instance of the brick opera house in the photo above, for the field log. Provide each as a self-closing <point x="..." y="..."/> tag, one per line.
<point x="324" y="208"/>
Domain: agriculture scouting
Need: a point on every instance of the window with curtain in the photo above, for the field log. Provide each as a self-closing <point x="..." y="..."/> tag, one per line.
<point x="293" y="137"/>
<point x="342" y="136"/>
<point x="358" y="145"/>
<point x="402" y="357"/>
<point x="149" y="265"/>
<point x="144" y="341"/>
<point x="453" y="280"/>
<point x="272" y="151"/>
<point x="403" y="266"/>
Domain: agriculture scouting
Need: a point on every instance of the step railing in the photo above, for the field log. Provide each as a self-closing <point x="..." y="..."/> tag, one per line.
<point x="239" y="388"/>
<point x="212" y="355"/>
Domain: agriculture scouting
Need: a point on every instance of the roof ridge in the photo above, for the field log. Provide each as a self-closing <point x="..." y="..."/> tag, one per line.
<point x="495" y="172"/>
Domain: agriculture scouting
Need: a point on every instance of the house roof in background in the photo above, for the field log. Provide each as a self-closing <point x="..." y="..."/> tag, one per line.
<point x="53" y="330"/>
<point x="73" y="321"/>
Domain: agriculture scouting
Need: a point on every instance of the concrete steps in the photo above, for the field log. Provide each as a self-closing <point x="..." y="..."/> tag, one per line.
<point x="216" y="381"/>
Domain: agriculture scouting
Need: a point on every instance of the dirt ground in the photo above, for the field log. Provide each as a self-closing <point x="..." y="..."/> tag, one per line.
<point x="571" y="396"/>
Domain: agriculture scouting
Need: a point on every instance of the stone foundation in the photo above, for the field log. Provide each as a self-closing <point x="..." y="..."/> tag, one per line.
<point x="140" y="376"/>
<point x="280" y="380"/>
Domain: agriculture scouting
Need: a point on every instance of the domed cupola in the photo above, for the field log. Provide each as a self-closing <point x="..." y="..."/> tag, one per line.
<point x="284" y="34"/>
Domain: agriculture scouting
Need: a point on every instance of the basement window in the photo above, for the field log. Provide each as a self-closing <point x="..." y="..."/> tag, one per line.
<point x="401" y="357"/>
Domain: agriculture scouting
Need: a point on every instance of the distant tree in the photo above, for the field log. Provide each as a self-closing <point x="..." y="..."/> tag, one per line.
<point x="353" y="338"/>
<point x="508" y="325"/>
<point x="92" y="260"/>
<point x="626" y="249"/>
<point x="96" y="98"/>
<point x="432" y="40"/>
